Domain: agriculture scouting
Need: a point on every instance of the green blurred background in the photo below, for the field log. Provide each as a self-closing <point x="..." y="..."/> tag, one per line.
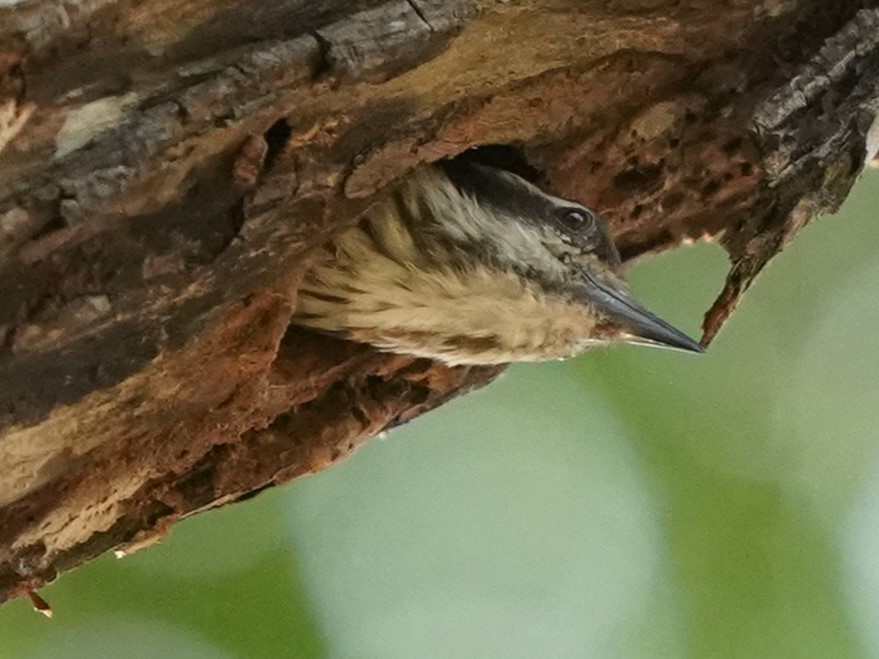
<point x="631" y="503"/>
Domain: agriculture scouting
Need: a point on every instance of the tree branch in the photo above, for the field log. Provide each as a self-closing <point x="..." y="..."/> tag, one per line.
<point x="166" y="168"/>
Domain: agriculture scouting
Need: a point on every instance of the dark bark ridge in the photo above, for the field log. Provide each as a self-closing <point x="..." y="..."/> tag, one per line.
<point x="166" y="168"/>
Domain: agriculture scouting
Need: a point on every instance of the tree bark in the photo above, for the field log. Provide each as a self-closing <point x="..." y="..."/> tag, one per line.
<point x="166" y="167"/>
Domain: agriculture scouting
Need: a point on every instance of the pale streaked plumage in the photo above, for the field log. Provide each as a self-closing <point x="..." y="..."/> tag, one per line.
<point x="444" y="270"/>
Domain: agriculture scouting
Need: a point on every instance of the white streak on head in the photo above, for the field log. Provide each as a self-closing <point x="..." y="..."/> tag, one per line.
<point x="462" y="219"/>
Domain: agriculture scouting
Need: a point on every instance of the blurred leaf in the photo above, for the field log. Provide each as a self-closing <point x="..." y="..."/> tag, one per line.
<point x="514" y="523"/>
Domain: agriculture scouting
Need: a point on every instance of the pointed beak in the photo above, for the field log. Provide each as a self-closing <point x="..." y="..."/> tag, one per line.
<point x="638" y="325"/>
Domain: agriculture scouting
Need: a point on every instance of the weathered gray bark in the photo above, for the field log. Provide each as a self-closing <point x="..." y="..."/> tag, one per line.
<point x="166" y="165"/>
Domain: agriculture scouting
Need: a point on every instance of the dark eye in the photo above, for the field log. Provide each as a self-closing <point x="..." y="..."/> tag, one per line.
<point x="576" y="220"/>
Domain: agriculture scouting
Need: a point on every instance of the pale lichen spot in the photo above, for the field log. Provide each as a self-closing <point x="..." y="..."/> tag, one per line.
<point x="82" y="124"/>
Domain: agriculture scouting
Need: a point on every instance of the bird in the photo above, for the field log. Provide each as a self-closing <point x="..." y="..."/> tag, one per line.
<point x="472" y="264"/>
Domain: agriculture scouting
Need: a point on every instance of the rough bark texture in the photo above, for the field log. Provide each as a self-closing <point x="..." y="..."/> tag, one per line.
<point x="166" y="166"/>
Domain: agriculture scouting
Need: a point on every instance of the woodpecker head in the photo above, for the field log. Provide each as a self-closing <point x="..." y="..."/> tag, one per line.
<point x="560" y="245"/>
<point x="473" y="264"/>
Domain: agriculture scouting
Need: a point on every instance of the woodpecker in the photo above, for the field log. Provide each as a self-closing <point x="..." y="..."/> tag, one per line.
<point x="471" y="264"/>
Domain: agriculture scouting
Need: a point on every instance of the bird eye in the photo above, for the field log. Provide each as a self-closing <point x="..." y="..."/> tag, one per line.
<point x="576" y="220"/>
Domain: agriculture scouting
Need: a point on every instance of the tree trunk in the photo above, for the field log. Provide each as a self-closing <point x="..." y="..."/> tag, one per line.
<point x="166" y="166"/>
